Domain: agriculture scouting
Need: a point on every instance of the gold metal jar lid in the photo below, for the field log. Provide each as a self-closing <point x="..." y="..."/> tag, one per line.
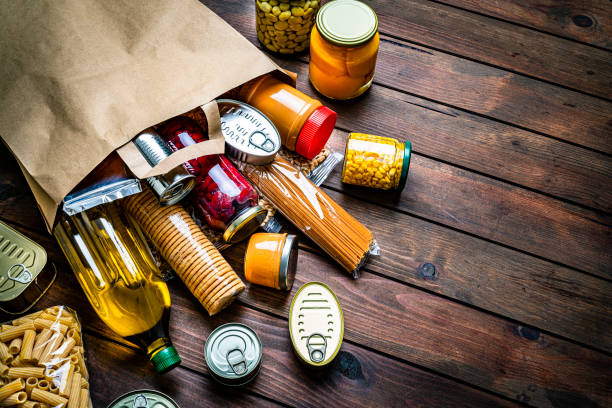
<point x="244" y="224"/>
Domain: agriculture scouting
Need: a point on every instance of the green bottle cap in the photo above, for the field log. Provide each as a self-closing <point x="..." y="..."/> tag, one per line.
<point x="405" y="166"/>
<point x="347" y="23"/>
<point x="166" y="359"/>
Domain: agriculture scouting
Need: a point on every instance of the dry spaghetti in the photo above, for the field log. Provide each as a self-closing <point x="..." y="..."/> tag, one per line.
<point x="338" y="233"/>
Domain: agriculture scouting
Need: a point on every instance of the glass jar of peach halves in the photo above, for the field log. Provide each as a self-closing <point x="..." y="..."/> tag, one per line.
<point x="343" y="49"/>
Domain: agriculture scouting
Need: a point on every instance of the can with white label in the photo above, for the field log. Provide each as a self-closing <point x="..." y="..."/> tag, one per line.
<point x="316" y="324"/>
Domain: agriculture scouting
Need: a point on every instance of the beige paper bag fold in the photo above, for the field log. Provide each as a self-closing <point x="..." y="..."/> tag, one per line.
<point x="80" y="78"/>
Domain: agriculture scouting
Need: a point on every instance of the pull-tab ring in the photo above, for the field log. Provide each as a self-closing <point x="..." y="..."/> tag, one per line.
<point x="261" y="141"/>
<point x="19" y="273"/>
<point x="317" y="354"/>
<point x="140" y="402"/>
<point x="239" y="367"/>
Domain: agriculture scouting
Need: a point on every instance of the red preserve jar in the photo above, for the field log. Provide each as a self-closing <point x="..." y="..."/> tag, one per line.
<point x="222" y="195"/>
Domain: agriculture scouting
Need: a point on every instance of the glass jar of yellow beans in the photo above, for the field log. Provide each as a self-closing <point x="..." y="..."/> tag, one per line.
<point x="376" y="161"/>
<point x="343" y="49"/>
<point x="283" y="26"/>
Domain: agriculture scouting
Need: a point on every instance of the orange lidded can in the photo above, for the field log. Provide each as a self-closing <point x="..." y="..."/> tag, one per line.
<point x="271" y="260"/>
<point x="303" y="123"/>
<point x="343" y="49"/>
<point x="376" y="161"/>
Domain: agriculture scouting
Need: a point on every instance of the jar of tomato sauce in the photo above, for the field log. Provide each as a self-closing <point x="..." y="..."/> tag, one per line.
<point x="343" y="49"/>
<point x="222" y="196"/>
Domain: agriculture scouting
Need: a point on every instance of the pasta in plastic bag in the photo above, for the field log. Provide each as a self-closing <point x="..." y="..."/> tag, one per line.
<point x="42" y="362"/>
<point x="311" y="210"/>
<point x="185" y="247"/>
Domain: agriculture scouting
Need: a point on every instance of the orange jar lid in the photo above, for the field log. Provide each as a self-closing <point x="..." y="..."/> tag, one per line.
<point x="271" y="260"/>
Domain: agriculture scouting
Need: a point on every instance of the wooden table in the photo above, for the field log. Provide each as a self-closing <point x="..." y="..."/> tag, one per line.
<point x="509" y="197"/>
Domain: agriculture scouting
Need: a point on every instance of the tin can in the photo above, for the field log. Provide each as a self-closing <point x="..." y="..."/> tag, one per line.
<point x="316" y="324"/>
<point x="173" y="186"/>
<point x="249" y="135"/>
<point x="143" y="399"/>
<point x="271" y="260"/>
<point x="23" y="276"/>
<point x="233" y="354"/>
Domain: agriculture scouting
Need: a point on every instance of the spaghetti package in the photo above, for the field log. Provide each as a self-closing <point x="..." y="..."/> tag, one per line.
<point x="42" y="361"/>
<point x="311" y="210"/>
<point x="187" y="250"/>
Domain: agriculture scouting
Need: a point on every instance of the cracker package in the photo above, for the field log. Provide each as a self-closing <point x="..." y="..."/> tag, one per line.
<point x="42" y="361"/>
<point x="185" y="247"/>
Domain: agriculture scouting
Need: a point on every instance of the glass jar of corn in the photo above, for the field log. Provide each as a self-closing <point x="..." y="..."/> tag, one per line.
<point x="283" y="26"/>
<point x="376" y="161"/>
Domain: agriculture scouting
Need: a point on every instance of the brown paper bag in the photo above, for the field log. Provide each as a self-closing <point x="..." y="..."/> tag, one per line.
<point x="80" y="78"/>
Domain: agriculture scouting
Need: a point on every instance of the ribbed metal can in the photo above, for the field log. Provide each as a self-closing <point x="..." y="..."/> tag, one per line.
<point x="249" y="135"/>
<point x="143" y="399"/>
<point x="173" y="186"/>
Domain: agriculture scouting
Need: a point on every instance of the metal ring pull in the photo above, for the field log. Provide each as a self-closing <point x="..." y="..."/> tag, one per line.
<point x="140" y="402"/>
<point x="19" y="273"/>
<point x="260" y="140"/>
<point x="317" y="354"/>
<point x="240" y="366"/>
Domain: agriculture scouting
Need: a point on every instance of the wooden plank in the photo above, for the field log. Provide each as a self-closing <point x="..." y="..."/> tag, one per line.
<point x="483" y="89"/>
<point x="116" y="370"/>
<point x="486" y="275"/>
<point x="510" y="359"/>
<point x="361" y="377"/>
<point x="472" y="141"/>
<point x="588" y="21"/>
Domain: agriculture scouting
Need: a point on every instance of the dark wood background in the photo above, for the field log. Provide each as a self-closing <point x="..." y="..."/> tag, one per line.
<point x="509" y="196"/>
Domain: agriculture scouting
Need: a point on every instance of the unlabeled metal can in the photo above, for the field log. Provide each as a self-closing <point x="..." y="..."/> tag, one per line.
<point x="143" y="399"/>
<point x="23" y="276"/>
<point x="316" y="325"/>
<point x="249" y="135"/>
<point x="171" y="187"/>
<point x="233" y="354"/>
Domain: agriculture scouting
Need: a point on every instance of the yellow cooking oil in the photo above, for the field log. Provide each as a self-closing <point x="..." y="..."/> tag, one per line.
<point x="114" y="265"/>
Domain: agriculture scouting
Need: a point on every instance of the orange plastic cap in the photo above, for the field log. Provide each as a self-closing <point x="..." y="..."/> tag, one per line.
<point x="316" y="132"/>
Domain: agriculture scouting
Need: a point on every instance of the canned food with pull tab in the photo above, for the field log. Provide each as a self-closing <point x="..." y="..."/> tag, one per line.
<point x="233" y="354"/>
<point x="24" y="279"/>
<point x="316" y="325"/>
<point x="143" y="399"/>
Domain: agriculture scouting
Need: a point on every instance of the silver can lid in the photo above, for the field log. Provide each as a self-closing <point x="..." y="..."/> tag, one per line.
<point x="143" y="399"/>
<point x="233" y="354"/>
<point x="249" y="135"/>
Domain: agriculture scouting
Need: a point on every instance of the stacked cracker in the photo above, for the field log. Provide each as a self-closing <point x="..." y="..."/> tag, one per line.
<point x="42" y="361"/>
<point x="185" y="247"/>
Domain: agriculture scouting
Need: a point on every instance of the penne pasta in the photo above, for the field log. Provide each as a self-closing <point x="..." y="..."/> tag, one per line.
<point x="11" y="388"/>
<point x="84" y="400"/>
<point x="27" y="345"/>
<point x="3" y="370"/>
<point x="64" y="349"/>
<point x="84" y="382"/>
<point x="43" y="385"/>
<point x="21" y="320"/>
<point x="51" y="325"/>
<point x="75" y="391"/>
<point x="66" y="320"/>
<point x="4" y="353"/>
<point x="14" y="346"/>
<point x="65" y="380"/>
<point x="30" y="382"/>
<point x="74" y="334"/>
<point x="53" y="343"/>
<point x="41" y="342"/>
<point x="31" y="404"/>
<point x="25" y="372"/>
<point x="14" y="399"/>
<point x="47" y="397"/>
<point x="15" y="331"/>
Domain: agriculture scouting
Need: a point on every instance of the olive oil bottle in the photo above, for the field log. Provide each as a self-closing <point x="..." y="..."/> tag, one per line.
<point x="113" y="264"/>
